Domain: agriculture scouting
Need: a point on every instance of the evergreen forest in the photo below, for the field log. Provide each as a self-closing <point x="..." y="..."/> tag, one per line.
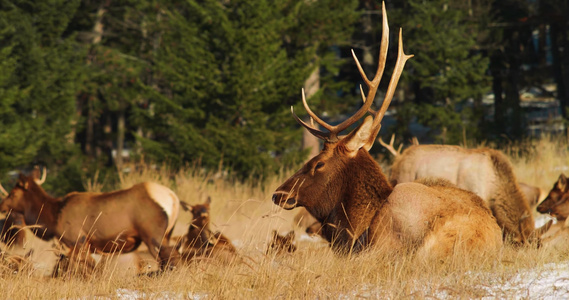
<point x="88" y="86"/>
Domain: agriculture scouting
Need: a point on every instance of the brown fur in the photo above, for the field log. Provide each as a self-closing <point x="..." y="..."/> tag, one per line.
<point x="281" y="244"/>
<point x="556" y="203"/>
<point x="533" y="194"/>
<point x="557" y="236"/>
<point x="201" y="242"/>
<point x="345" y="189"/>
<point x="352" y="197"/>
<point x="99" y="222"/>
<point x="486" y="172"/>
<point x="12" y="230"/>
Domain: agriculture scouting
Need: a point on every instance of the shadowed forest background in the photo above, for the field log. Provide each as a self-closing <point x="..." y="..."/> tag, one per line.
<point x="86" y="85"/>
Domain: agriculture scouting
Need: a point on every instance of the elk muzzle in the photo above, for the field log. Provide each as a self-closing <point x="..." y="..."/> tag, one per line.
<point x="284" y="200"/>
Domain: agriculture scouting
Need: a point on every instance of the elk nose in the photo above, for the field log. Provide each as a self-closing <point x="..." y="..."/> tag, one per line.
<point x="279" y="196"/>
<point x="276" y="198"/>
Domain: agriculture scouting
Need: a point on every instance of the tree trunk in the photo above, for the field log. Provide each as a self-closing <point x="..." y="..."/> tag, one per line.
<point x="120" y="139"/>
<point x="89" y="132"/>
<point x="309" y="141"/>
<point x="514" y="109"/>
<point x="560" y="65"/>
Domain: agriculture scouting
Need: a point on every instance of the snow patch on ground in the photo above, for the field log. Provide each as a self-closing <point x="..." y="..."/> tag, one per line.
<point x="550" y="282"/>
<point x="127" y="294"/>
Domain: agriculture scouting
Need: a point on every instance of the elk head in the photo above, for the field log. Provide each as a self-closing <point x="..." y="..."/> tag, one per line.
<point x="556" y="203"/>
<point x="25" y="188"/>
<point x="200" y="213"/>
<point x="280" y="243"/>
<point x="343" y="179"/>
<point x="15" y="199"/>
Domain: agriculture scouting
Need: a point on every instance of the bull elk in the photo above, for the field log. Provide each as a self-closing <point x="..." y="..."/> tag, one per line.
<point x="485" y="172"/>
<point x="344" y="188"/>
<point x="117" y="221"/>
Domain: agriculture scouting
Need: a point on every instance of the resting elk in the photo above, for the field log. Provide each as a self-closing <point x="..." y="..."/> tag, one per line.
<point x="101" y="222"/>
<point x="485" y="172"/>
<point x="531" y="193"/>
<point x="281" y="244"/>
<point x="201" y="242"/>
<point x="344" y="188"/>
<point x="556" y="204"/>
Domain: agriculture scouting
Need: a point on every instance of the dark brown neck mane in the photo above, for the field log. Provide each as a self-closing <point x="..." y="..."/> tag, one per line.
<point x="363" y="193"/>
<point x="43" y="210"/>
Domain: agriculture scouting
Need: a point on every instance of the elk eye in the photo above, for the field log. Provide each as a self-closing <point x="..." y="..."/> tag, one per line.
<point x="319" y="165"/>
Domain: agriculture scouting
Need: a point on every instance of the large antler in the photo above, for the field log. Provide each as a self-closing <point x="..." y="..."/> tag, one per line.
<point x="3" y="191"/>
<point x="373" y="85"/>
<point x="41" y="180"/>
<point x="390" y="146"/>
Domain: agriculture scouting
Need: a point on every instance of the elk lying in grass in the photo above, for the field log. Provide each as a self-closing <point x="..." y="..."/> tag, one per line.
<point x="486" y="172"/>
<point x="531" y="193"/>
<point x="14" y="264"/>
<point x="344" y="188"/>
<point x="201" y="242"/>
<point x="556" y="204"/>
<point x="281" y="244"/>
<point x="101" y="222"/>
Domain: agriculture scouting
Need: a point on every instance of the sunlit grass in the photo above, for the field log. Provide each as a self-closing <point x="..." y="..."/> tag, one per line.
<point x="244" y="212"/>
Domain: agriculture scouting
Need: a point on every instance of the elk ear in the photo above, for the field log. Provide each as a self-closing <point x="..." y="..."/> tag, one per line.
<point x="360" y="136"/>
<point x="185" y="206"/>
<point x="23" y="182"/>
<point x="562" y="182"/>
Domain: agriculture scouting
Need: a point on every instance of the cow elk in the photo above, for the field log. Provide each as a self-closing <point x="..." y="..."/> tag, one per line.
<point x="485" y="172"/>
<point x="344" y="188"/>
<point x="556" y="204"/>
<point x="111" y="222"/>
<point x="532" y="194"/>
<point x="200" y="242"/>
<point x="281" y="244"/>
<point x="12" y="231"/>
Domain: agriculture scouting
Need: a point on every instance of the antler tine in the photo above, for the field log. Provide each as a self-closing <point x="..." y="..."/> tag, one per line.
<point x="390" y="147"/>
<point x="401" y="59"/>
<point x="3" y="191"/>
<point x="319" y="134"/>
<point x="313" y="115"/>
<point x="43" y="176"/>
<point x="374" y="84"/>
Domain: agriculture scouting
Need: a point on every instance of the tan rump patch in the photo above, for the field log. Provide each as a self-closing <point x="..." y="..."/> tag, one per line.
<point x="167" y="199"/>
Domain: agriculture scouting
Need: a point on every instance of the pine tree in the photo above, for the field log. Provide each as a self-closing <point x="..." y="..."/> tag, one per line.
<point x="40" y="78"/>
<point x="447" y="71"/>
<point x="228" y="73"/>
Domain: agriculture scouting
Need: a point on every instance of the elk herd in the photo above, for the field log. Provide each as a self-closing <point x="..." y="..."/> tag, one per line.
<point x="438" y="201"/>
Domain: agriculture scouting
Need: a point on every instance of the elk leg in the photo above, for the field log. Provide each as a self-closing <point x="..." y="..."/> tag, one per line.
<point x="166" y="255"/>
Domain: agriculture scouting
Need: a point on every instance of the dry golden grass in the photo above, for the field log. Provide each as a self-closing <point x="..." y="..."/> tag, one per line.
<point x="244" y="213"/>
